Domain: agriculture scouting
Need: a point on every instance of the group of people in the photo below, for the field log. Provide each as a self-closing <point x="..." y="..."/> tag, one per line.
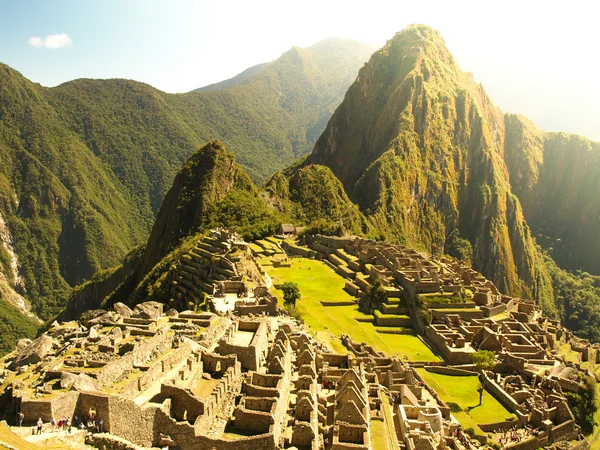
<point x="328" y="384"/>
<point x="516" y="434"/>
<point x="460" y="435"/>
<point x="93" y="423"/>
<point x="63" y="424"/>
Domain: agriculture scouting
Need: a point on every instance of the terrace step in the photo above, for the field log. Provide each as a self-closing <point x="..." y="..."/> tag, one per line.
<point x="392" y="309"/>
<point x="392" y="320"/>
<point x="199" y="251"/>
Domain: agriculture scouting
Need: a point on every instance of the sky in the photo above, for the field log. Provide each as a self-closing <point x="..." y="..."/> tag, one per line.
<point x="537" y="58"/>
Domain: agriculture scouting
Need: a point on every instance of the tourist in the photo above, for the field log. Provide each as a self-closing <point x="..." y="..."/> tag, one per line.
<point x="101" y="425"/>
<point x="21" y="417"/>
<point x="68" y="425"/>
<point x="53" y="424"/>
<point x="40" y="424"/>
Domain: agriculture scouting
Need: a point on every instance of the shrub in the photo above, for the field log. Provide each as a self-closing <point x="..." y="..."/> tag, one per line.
<point x="454" y="407"/>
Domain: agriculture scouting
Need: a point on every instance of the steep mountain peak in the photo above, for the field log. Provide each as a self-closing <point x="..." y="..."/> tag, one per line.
<point x="204" y="179"/>
<point x="419" y="146"/>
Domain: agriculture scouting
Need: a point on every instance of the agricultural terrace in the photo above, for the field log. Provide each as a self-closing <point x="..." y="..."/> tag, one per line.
<point x="317" y="282"/>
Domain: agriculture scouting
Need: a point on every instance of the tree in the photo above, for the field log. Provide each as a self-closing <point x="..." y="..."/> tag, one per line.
<point x="373" y="298"/>
<point x="480" y="390"/>
<point x="484" y="360"/>
<point x="291" y="293"/>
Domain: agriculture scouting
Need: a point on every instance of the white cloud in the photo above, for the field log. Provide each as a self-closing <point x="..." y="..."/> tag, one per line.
<point x="51" y="41"/>
<point x="36" y="41"/>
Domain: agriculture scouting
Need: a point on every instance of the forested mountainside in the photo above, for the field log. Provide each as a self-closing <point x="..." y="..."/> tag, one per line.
<point x="557" y="179"/>
<point x="85" y="166"/>
<point x="431" y="162"/>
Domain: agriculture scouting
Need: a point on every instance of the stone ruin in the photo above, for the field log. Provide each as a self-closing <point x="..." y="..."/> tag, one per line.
<point x="247" y="378"/>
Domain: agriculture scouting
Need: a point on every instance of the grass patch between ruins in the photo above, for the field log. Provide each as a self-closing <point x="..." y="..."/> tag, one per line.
<point x="463" y="391"/>
<point x="317" y="281"/>
<point x="379" y="435"/>
<point x="10" y="438"/>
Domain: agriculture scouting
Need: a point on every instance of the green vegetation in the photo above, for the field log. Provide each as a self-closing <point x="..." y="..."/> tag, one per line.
<point x="291" y="293"/>
<point x="556" y="177"/>
<point x="427" y="124"/>
<point x="584" y="406"/>
<point x="462" y="391"/>
<point x="458" y="247"/>
<point x="577" y="300"/>
<point x="372" y="300"/>
<point x="313" y="195"/>
<point x="484" y="360"/>
<point x="14" y="326"/>
<point x="317" y="281"/>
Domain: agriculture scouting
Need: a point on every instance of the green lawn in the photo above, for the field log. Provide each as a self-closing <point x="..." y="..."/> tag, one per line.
<point x="569" y="354"/>
<point x="463" y="391"/>
<point x="379" y="436"/>
<point x="317" y="281"/>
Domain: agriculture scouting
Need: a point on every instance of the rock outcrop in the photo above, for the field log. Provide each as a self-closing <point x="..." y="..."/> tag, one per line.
<point x="34" y="352"/>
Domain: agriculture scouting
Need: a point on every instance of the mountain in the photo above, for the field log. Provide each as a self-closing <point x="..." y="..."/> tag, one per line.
<point x="84" y="166"/>
<point x="210" y="190"/>
<point x="431" y="162"/>
<point x="557" y="179"/>
<point x="238" y="79"/>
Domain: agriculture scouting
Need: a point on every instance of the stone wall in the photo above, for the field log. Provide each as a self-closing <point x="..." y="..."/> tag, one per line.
<point x="184" y="404"/>
<point x="156" y="372"/>
<point x="143" y="352"/>
<point x="502" y="396"/>
<point x="131" y="422"/>
<point x="252" y="355"/>
<point x="34" y="409"/>
<point x="450" y="371"/>
<point x="65" y="405"/>
<point x="98" y="401"/>
<point x="300" y="251"/>
<point x="258" y="421"/>
<point x="105" y="441"/>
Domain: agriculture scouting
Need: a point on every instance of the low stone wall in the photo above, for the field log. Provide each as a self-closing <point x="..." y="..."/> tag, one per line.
<point x="326" y="303"/>
<point x="502" y="396"/>
<point x="300" y="251"/>
<point x="466" y="314"/>
<point x="258" y="421"/>
<point x="393" y="321"/>
<point x="34" y="409"/>
<point x="497" y="426"/>
<point x="450" y="371"/>
<point x="105" y="441"/>
<point x="566" y="430"/>
<point x="531" y="443"/>
<point x="489" y="311"/>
